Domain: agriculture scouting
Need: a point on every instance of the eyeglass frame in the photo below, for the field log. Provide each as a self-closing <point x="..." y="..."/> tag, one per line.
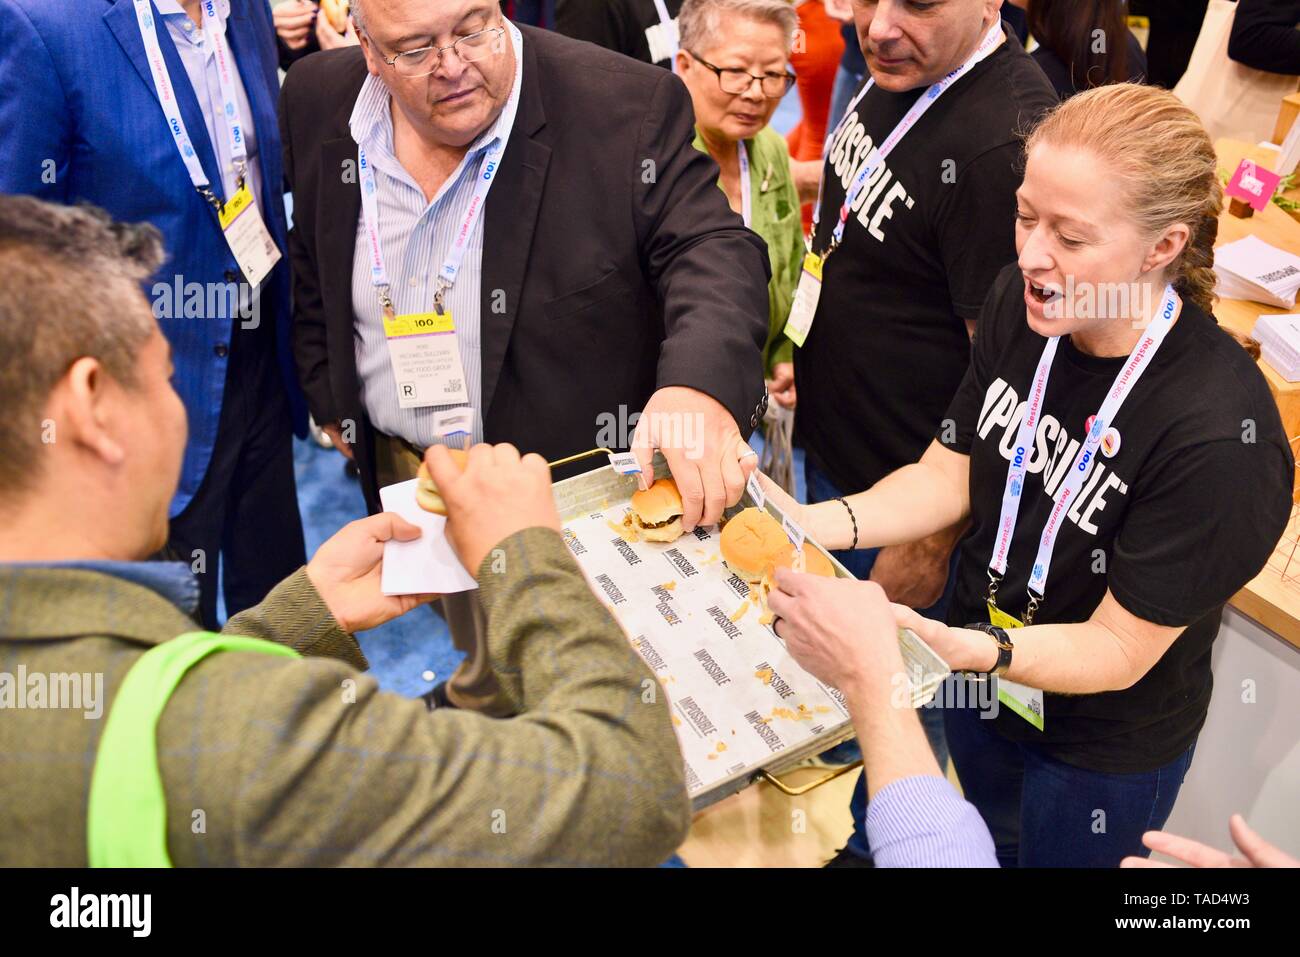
<point x="498" y="30"/>
<point x="789" y="78"/>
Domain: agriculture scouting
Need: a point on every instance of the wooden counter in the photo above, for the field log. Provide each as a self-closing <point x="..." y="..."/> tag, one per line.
<point x="1269" y="600"/>
<point x="1276" y="228"/>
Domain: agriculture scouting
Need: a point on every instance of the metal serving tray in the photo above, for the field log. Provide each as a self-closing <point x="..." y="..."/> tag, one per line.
<point x="742" y="708"/>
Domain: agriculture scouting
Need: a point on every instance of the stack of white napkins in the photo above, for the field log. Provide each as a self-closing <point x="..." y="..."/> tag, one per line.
<point x="1252" y="269"/>
<point x="1279" y="344"/>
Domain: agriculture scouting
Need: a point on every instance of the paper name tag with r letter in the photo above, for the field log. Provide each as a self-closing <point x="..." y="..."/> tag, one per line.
<point x="426" y="359"/>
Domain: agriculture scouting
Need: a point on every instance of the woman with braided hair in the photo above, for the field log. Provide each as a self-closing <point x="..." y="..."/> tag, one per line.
<point x="1124" y="472"/>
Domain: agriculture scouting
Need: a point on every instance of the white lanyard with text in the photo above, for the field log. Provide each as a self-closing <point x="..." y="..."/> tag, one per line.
<point x="1138" y="361"/>
<point x="746" y="201"/>
<point x="808" y="292"/>
<point x="215" y="28"/>
<point x="254" y="249"/>
<point x="423" y="346"/>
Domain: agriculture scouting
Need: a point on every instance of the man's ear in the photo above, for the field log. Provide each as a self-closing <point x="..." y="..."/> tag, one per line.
<point x="1167" y="248"/>
<point x="83" y="399"/>
<point x="370" y="51"/>
<point x="681" y="63"/>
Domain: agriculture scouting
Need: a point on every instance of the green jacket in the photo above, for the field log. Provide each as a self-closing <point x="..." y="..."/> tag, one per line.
<point x="268" y="760"/>
<point x="774" y="211"/>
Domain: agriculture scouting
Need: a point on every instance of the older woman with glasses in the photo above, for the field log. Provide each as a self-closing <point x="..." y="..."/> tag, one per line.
<point x="734" y="57"/>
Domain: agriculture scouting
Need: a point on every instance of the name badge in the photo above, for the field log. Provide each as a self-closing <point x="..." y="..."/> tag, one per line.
<point x="247" y="236"/>
<point x="454" y="422"/>
<point x="426" y="359"/>
<point x="1022" y="699"/>
<point x="806" y="296"/>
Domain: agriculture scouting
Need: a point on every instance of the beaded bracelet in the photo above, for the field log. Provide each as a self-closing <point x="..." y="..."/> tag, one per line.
<point x="853" y="518"/>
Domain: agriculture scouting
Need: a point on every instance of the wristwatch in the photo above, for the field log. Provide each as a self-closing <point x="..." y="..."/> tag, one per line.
<point x="1002" y="640"/>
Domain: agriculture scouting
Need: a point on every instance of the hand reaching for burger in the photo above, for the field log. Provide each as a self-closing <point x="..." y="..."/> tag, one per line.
<point x="698" y="437"/>
<point x="490" y="494"/>
<point x="838" y="629"/>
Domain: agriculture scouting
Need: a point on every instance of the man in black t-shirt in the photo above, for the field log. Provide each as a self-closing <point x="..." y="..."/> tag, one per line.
<point x="934" y="223"/>
<point x="635" y="28"/>
<point x="927" y="235"/>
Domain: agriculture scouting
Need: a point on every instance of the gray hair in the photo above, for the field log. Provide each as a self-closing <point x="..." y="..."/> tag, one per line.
<point x="700" y="22"/>
<point x="71" y="289"/>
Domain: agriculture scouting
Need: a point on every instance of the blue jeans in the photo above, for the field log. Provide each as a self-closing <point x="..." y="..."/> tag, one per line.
<point x="1043" y="812"/>
<point x="859" y="562"/>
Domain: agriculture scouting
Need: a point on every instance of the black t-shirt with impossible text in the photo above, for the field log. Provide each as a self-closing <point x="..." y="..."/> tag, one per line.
<point x="934" y="224"/>
<point x="1182" y="506"/>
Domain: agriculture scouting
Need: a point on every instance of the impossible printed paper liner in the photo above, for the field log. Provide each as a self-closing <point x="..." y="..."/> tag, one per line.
<point x="739" y="702"/>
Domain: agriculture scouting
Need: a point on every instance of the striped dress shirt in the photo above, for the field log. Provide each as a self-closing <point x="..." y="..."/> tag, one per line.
<point x="416" y="236"/>
<point x="200" y="61"/>
<point x="923" y="822"/>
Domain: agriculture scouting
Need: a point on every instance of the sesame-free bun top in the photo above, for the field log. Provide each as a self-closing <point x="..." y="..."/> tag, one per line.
<point x="750" y="541"/>
<point x="426" y="489"/>
<point x="658" y="503"/>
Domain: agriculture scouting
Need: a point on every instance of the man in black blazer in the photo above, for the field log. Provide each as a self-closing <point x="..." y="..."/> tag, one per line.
<point x="605" y="276"/>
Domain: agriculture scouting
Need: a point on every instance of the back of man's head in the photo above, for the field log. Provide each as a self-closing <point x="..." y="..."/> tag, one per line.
<point x="71" y="292"/>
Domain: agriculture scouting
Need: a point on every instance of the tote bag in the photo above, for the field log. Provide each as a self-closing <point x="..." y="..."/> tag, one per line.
<point x="1232" y="100"/>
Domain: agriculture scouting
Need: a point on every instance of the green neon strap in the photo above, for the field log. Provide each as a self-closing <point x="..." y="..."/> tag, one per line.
<point x="126" y="823"/>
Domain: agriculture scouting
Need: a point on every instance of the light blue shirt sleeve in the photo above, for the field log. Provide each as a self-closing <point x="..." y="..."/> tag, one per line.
<point x="923" y="822"/>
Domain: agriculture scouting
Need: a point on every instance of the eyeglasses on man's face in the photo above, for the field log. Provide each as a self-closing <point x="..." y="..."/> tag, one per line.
<point x="735" y="82"/>
<point x="469" y="48"/>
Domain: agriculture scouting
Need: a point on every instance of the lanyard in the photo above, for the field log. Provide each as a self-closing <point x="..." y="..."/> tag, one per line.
<point x="171" y="108"/>
<point x="878" y="154"/>
<point x="488" y="168"/>
<point x="746" y="201"/>
<point x="669" y="29"/>
<point x="215" y="28"/>
<point x="1138" y="361"/>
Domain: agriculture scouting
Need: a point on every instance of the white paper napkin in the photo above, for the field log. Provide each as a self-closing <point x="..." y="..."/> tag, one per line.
<point x="427" y="565"/>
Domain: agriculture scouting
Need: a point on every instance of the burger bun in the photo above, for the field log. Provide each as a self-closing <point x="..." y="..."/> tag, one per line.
<point x="426" y="490"/>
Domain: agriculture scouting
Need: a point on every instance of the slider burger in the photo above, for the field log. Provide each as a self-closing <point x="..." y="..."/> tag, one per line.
<point x="656" y="514"/>
<point x="751" y="540"/>
<point x="336" y="12"/>
<point x="426" y="491"/>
